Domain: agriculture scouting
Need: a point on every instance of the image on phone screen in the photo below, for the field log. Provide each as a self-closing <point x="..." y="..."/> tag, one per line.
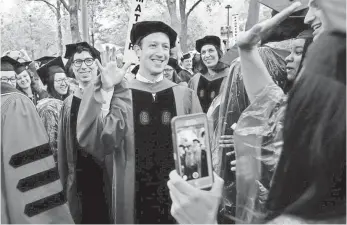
<point x="192" y="151"/>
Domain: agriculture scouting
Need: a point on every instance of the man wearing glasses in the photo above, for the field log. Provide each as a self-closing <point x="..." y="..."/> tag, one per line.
<point x="86" y="182"/>
<point x="8" y="75"/>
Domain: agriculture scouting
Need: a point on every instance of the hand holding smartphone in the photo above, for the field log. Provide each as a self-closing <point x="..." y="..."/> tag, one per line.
<point x="192" y="152"/>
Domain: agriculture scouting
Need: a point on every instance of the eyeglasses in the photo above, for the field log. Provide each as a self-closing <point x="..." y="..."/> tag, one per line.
<point x="168" y="70"/>
<point x="87" y="61"/>
<point x="60" y="81"/>
<point x="6" y="79"/>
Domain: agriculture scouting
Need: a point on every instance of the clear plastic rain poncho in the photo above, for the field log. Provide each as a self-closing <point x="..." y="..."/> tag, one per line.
<point x="254" y="139"/>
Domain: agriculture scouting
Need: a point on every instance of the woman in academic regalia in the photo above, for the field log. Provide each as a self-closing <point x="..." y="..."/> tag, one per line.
<point x="26" y="85"/>
<point x="53" y="75"/>
<point x="207" y="84"/>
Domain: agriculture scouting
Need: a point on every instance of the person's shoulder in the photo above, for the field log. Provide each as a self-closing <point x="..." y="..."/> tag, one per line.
<point x="184" y="91"/>
<point x="11" y="98"/>
<point x="50" y="104"/>
<point x="195" y="77"/>
<point x="66" y="105"/>
<point x="68" y="100"/>
<point x="183" y="88"/>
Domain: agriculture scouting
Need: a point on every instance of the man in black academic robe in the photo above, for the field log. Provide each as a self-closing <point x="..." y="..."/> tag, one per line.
<point x="137" y="128"/>
<point x="86" y="180"/>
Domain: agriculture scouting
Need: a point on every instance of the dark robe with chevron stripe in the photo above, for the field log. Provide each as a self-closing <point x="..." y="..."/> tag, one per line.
<point x="31" y="191"/>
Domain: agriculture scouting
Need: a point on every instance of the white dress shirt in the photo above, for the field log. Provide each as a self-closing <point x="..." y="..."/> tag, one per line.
<point x="107" y="96"/>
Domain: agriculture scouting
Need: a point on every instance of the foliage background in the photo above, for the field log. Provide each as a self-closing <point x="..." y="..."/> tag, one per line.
<point x="32" y="24"/>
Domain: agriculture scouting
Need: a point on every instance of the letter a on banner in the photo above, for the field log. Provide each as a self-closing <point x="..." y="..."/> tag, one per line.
<point x="137" y="7"/>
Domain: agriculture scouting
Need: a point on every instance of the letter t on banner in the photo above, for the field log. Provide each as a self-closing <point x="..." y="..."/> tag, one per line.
<point x="137" y="7"/>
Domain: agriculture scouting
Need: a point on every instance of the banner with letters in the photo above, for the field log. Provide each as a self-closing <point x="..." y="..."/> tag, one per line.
<point x="137" y="7"/>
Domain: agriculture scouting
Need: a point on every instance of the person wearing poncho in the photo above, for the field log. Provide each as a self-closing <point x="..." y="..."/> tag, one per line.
<point x="258" y="135"/>
<point x="137" y="128"/>
<point x="225" y="110"/>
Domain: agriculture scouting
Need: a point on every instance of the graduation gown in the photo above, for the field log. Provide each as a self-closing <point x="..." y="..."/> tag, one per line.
<point x="207" y="88"/>
<point x="137" y="131"/>
<point x="86" y="180"/>
<point x="49" y="110"/>
<point x="185" y="75"/>
<point x="31" y="191"/>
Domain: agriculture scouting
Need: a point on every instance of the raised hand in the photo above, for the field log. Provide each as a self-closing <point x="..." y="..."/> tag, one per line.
<point x="111" y="75"/>
<point x="249" y="39"/>
<point x="109" y="55"/>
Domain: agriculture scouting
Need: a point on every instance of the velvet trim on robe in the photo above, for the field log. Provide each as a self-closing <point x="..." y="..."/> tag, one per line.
<point x="67" y="160"/>
<point x="207" y="88"/>
<point x="154" y="155"/>
<point x="114" y="134"/>
<point x="31" y="191"/>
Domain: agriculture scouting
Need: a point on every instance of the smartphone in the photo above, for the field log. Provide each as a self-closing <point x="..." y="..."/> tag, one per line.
<point x="192" y="152"/>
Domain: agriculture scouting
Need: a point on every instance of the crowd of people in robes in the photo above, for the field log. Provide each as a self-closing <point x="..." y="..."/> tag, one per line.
<point x="86" y="138"/>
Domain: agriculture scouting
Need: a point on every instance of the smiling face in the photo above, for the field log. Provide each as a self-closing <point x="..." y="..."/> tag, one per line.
<point x="168" y="72"/>
<point x="154" y="53"/>
<point x="315" y="18"/>
<point x="84" y="73"/>
<point x="209" y="56"/>
<point x="23" y="80"/>
<point x="293" y="60"/>
<point x="61" y="83"/>
<point x="8" y="77"/>
<point x="187" y="64"/>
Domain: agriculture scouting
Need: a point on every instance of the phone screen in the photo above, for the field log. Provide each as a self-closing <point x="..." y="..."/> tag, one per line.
<point x="191" y="145"/>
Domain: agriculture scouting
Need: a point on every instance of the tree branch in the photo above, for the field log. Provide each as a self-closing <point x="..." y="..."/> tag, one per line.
<point x="193" y="7"/>
<point x="65" y="5"/>
<point x="45" y="1"/>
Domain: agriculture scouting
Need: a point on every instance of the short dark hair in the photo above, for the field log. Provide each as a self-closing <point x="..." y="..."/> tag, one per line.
<point x="310" y="178"/>
<point x="289" y="84"/>
<point x="80" y="49"/>
<point x="51" y="90"/>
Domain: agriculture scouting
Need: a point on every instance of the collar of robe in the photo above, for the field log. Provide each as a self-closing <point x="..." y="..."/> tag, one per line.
<point x="218" y="75"/>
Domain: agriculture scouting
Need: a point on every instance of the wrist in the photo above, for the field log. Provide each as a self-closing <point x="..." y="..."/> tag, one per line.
<point x="107" y="88"/>
<point x="248" y="48"/>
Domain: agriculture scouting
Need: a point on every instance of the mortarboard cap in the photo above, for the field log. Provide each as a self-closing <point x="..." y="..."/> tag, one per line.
<point x="291" y="26"/>
<point x="44" y="60"/>
<point x="20" y="67"/>
<point x="212" y="40"/>
<point x="71" y="49"/>
<point x="185" y="56"/>
<point x="49" y="69"/>
<point x="8" y="64"/>
<point x="145" y="28"/>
